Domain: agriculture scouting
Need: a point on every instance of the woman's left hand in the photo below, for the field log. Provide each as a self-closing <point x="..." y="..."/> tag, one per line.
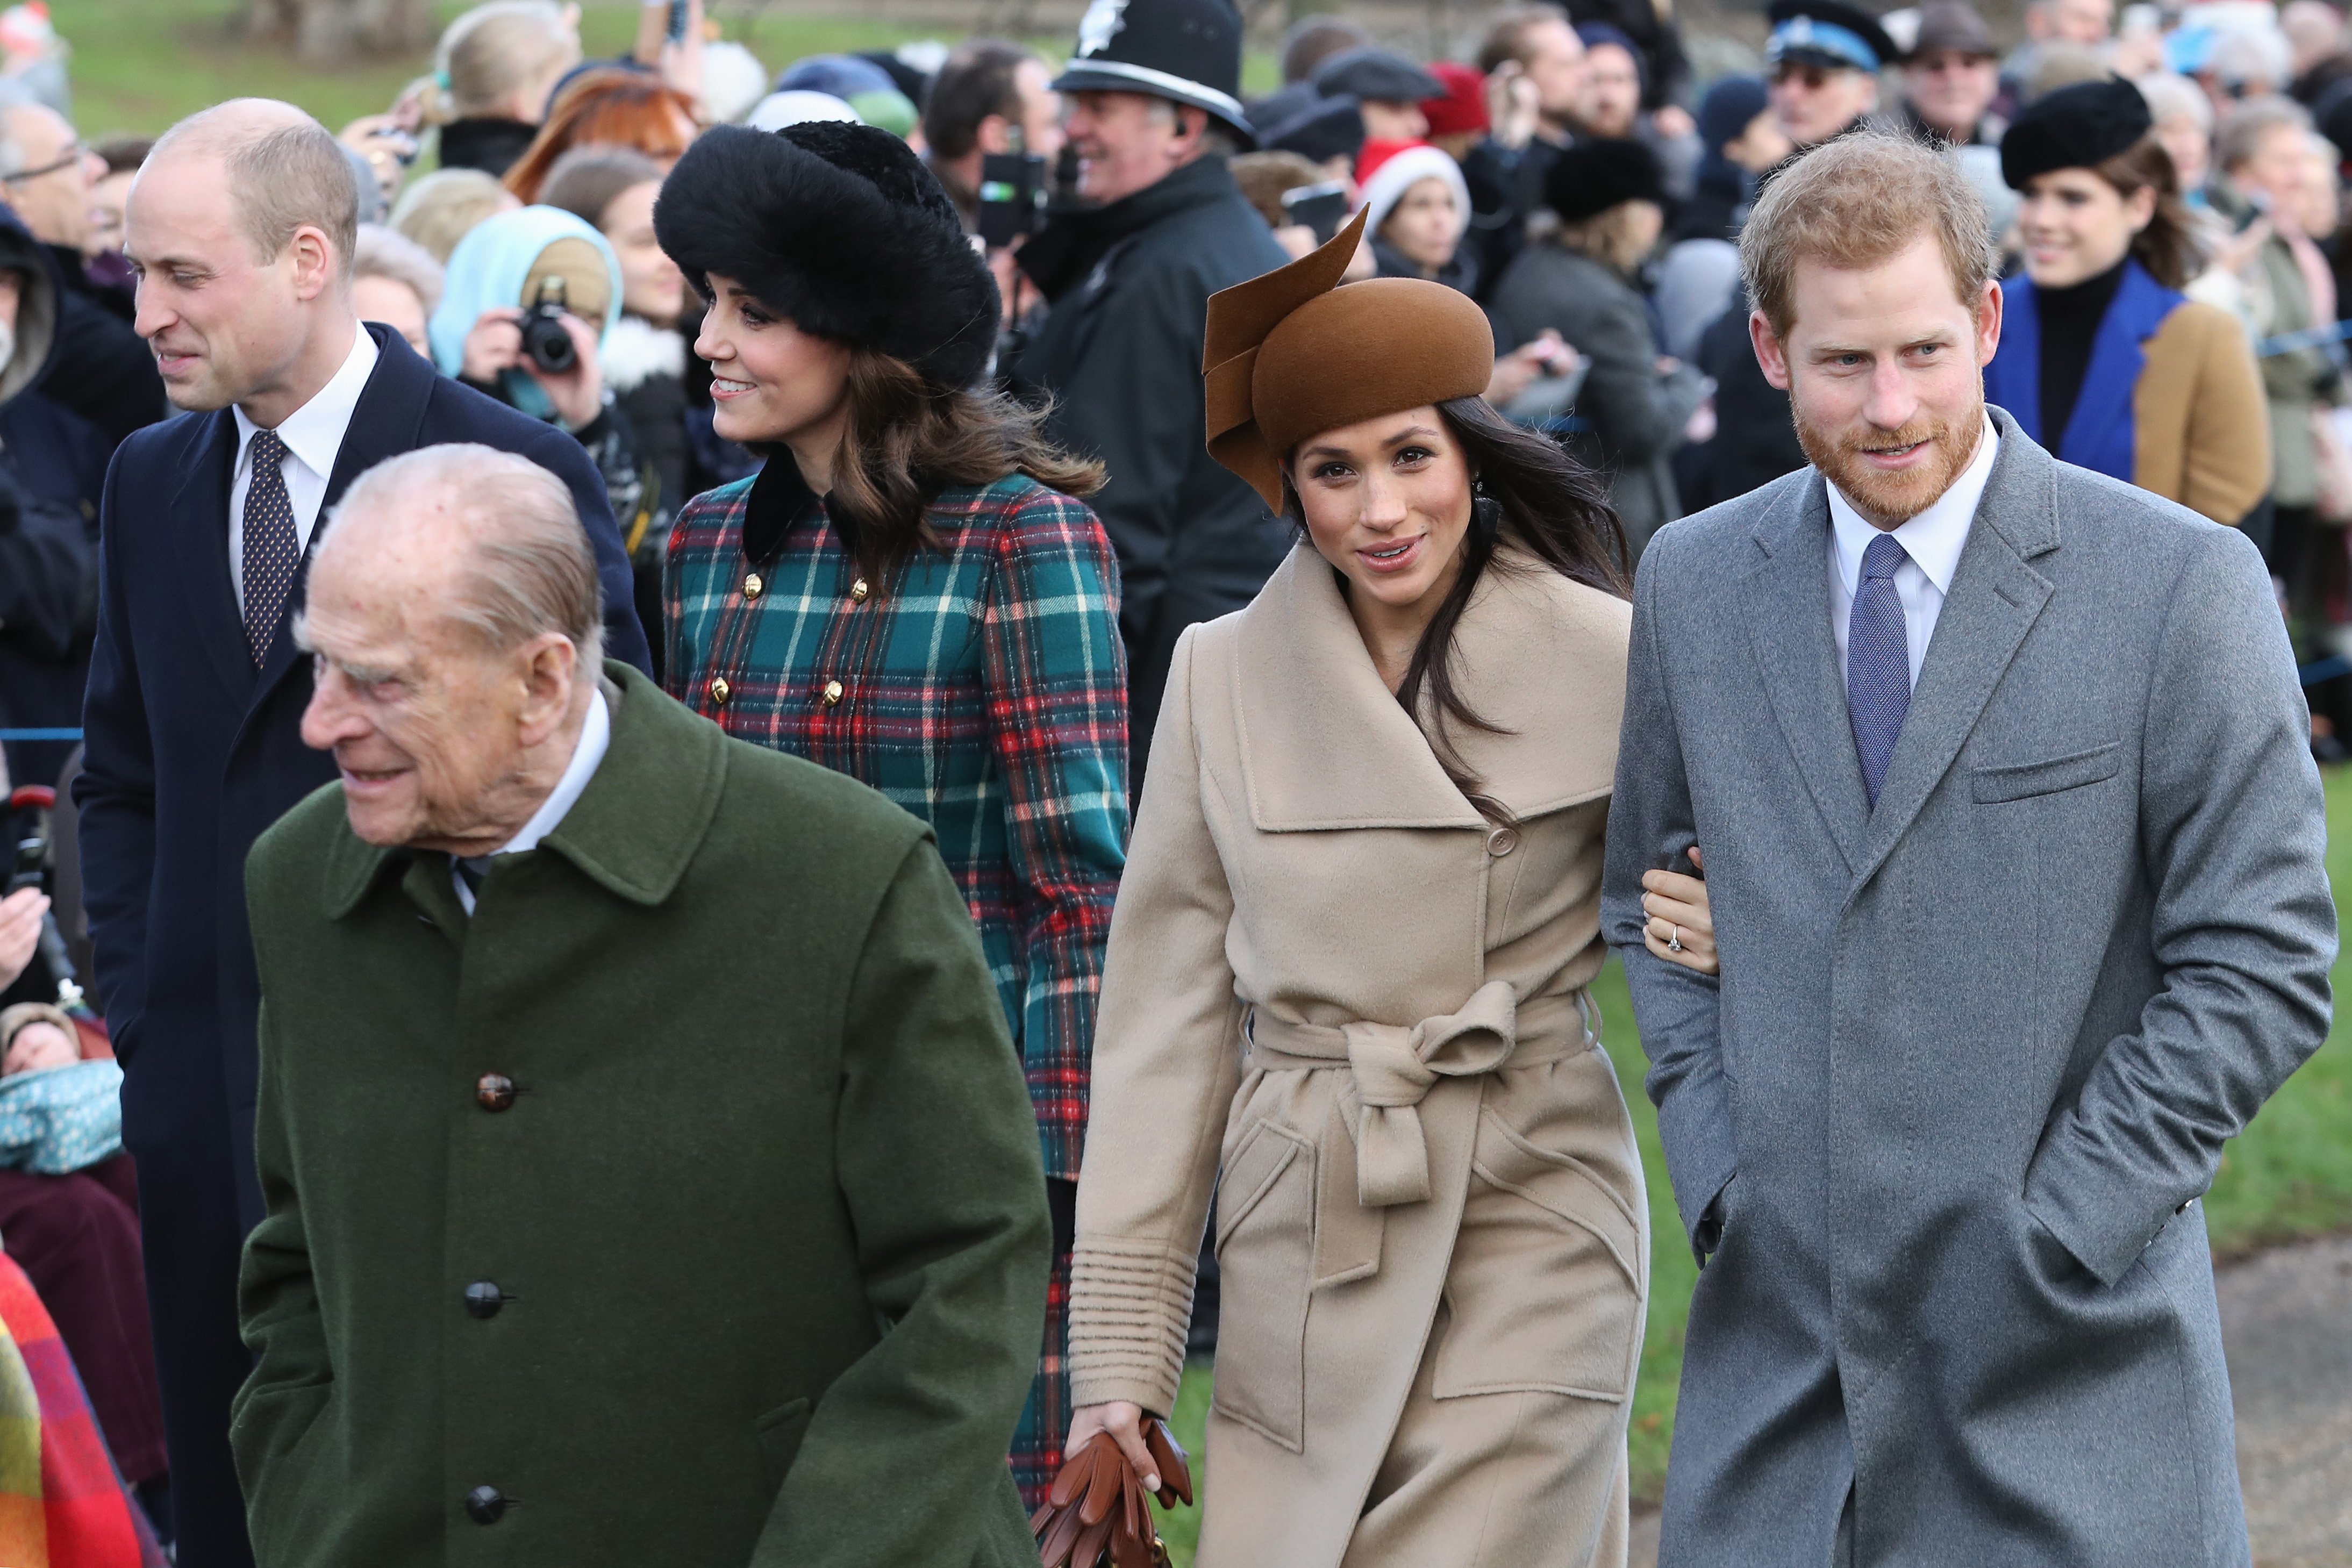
<point x="1681" y="926"/>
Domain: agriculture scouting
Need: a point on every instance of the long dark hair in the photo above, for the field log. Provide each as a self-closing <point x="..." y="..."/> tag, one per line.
<point x="1532" y="495"/>
<point x="906" y="440"/>
<point x="2167" y="248"/>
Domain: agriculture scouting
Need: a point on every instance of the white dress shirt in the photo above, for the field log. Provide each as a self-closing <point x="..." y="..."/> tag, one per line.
<point x="1933" y="540"/>
<point x="595" y="739"/>
<point x="313" y="433"/>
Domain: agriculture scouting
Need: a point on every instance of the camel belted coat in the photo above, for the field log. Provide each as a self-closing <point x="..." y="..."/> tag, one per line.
<point x="1352" y="1009"/>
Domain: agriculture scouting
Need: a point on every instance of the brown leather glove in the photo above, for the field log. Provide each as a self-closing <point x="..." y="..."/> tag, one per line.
<point x="1095" y="1512"/>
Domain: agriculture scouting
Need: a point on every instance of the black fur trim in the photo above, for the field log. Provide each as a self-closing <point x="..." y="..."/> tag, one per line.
<point x="840" y="229"/>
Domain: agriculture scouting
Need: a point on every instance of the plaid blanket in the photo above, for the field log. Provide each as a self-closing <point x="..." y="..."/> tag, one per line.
<point x="62" y="1505"/>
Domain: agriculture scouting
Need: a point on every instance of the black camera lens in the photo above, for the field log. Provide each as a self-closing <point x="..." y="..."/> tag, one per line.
<point x="547" y="342"/>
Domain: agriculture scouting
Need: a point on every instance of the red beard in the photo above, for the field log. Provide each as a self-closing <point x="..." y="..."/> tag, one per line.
<point x="1894" y="498"/>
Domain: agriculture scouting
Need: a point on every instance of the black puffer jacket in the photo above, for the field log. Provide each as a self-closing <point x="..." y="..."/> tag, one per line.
<point x="1127" y="285"/>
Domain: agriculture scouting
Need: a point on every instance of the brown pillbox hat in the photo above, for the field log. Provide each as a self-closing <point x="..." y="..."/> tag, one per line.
<point x="1292" y="354"/>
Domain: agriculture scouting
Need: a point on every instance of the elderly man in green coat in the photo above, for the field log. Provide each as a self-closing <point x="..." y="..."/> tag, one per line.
<point x="650" y="1177"/>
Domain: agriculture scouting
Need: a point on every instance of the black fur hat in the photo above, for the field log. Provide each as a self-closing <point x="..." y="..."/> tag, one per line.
<point x="840" y="229"/>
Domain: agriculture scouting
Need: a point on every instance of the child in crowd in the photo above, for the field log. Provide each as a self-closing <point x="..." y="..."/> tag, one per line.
<point x="58" y="1113"/>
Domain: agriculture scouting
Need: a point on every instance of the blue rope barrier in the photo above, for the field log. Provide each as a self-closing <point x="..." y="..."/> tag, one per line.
<point x="40" y="735"/>
<point x="2326" y="670"/>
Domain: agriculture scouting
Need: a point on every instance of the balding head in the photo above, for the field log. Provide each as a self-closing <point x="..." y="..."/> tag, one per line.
<point x="241" y="225"/>
<point x="283" y="171"/>
<point x="454" y="610"/>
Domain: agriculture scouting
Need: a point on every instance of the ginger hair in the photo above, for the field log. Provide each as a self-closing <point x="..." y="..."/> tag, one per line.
<point x="1858" y="201"/>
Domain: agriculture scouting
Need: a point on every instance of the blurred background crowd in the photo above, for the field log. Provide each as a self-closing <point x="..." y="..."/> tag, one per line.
<point x="1581" y="169"/>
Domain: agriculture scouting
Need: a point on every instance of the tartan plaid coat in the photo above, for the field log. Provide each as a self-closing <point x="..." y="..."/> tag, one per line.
<point x="984" y="690"/>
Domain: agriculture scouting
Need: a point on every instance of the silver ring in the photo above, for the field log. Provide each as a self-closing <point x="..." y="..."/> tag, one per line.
<point x="1674" y="942"/>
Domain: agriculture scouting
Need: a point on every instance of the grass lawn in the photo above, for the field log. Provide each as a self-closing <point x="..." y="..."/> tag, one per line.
<point x="2289" y="1175"/>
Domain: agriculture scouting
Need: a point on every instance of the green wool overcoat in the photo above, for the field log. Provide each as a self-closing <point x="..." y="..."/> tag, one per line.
<point x="746" y="1266"/>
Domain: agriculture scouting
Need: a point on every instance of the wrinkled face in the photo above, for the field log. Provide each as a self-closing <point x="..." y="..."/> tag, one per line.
<point x="1556" y="68"/>
<point x="222" y="319"/>
<point x="1950" y="89"/>
<point x="394" y="303"/>
<point x="1041" y="109"/>
<point x="1424" y="226"/>
<point x="770" y="380"/>
<point x="651" y="285"/>
<point x="1612" y="91"/>
<point x="37" y="1045"/>
<point x="2075" y="226"/>
<point x="1884" y="371"/>
<point x="1388" y="504"/>
<point x="424" y="718"/>
<point x="1814" y="103"/>
<point x="52" y="192"/>
<point x="2319" y="196"/>
<point x="2190" y="147"/>
<point x="1128" y="142"/>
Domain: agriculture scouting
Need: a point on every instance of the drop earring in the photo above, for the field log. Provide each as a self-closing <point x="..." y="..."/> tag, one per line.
<point x="1486" y="512"/>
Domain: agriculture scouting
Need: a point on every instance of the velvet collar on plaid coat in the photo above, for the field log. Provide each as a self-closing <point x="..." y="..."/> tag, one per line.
<point x="983" y="688"/>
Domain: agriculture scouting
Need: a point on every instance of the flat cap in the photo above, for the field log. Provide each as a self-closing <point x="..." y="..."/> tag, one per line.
<point x="1332" y="128"/>
<point x="1378" y="74"/>
<point x="1951" y="25"/>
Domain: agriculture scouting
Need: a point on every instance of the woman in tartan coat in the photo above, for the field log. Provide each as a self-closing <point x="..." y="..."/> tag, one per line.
<point x="909" y="592"/>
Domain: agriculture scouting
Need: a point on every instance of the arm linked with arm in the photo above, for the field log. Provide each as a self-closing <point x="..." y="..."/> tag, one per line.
<point x="1651" y="821"/>
<point x="2233" y="835"/>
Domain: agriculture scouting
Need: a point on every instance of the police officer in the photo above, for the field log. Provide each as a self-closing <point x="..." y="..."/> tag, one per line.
<point x="1154" y="113"/>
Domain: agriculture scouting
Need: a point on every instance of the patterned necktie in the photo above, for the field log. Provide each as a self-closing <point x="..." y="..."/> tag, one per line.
<point x="271" y="553"/>
<point x="1877" y="661"/>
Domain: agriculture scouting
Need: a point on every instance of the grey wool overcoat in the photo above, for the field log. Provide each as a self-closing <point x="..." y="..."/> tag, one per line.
<point x="1973" y="1055"/>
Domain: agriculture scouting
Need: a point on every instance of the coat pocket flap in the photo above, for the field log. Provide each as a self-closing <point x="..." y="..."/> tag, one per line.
<point x="1264" y="1153"/>
<point x="2021" y="781"/>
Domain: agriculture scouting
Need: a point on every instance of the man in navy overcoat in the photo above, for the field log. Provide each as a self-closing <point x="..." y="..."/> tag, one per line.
<point x="242" y="226"/>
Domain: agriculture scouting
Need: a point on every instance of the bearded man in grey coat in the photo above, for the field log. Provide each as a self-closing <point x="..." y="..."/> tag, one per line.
<point x="2002" y="773"/>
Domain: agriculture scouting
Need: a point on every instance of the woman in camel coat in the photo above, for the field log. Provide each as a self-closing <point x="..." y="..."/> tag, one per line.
<point x="1345" y="988"/>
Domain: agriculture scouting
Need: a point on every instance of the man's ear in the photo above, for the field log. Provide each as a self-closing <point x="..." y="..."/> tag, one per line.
<point x="1191" y="124"/>
<point x="551" y="665"/>
<point x="994" y="135"/>
<point x="315" y="265"/>
<point x="1988" y="323"/>
<point x="1771" y="354"/>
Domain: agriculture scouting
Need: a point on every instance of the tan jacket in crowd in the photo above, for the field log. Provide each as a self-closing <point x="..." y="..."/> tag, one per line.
<point x="1329" y="976"/>
<point x="2201" y="425"/>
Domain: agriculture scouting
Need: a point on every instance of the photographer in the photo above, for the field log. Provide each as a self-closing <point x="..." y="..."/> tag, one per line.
<point x="990" y="97"/>
<point x="531" y="298"/>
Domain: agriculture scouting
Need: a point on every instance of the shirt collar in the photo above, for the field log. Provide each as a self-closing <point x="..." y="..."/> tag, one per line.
<point x="595" y="739"/>
<point x="314" y="432"/>
<point x="1934" y="538"/>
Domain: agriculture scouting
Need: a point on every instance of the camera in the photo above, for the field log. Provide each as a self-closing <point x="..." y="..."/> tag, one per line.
<point x="1322" y="207"/>
<point x="1012" y="197"/>
<point x="544" y="336"/>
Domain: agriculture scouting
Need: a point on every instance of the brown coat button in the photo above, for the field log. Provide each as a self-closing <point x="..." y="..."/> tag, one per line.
<point x="832" y="690"/>
<point x="752" y="585"/>
<point x="1502" y="840"/>
<point x="859" y="590"/>
<point x="494" y="1091"/>
<point x="718" y="690"/>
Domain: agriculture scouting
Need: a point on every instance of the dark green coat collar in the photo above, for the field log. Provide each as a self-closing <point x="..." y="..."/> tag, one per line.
<point x="633" y="832"/>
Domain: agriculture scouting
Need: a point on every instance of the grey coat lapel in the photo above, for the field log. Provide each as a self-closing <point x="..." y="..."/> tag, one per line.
<point x="1996" y="596"/>
<point x="1788" y="593"/>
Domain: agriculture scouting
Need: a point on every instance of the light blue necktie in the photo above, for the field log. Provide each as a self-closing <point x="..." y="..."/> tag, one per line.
<point x="1877" y="661"/>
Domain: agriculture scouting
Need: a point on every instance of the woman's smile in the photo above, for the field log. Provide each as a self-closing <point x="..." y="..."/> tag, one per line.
<point x="1398" y="555"/>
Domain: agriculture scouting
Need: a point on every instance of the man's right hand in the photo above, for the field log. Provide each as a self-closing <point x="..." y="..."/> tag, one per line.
<point x="1124" y="1422"/>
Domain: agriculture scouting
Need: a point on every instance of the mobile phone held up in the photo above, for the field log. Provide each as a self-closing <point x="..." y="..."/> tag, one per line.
<point x="1012" y="197"/>
<point x="1322" y="208"/>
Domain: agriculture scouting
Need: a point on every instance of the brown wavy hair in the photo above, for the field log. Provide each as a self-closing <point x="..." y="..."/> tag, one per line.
<point x="2167" y="248"/>
<point x="906" y="440"/>
<point x="611" y="107"/>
